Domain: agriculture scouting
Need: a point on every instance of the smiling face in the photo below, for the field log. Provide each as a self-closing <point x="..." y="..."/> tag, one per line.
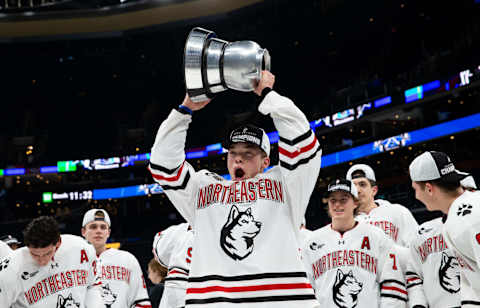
<point x="97" y="233"/>
<point x="341" y="205"/>
<point x="245" y="161"/>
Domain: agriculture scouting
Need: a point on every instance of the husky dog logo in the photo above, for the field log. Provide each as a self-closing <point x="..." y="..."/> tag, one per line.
<point x="67" y="302"/>
<point x="315" y="246"/>
<point x="237" y="234"/>
<point x="449" y="273"/>
<point x="108" y="297"/>
<point x="346" y="289"/>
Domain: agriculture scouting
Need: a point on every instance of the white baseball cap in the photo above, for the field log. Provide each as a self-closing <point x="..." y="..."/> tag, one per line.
<point x="468" y="182"/>
<point x="249" y="134"/>
<point x="90" y="216"/>
<point x="366" y="169"/>
<point x="342" y="185"/>
<point x="433" y="165"/>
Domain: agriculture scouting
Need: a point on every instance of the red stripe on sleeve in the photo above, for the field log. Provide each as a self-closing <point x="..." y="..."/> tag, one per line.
<point x="395" y="289"/>
<point x="300" y="151"/>
<point x="168" y="179"/>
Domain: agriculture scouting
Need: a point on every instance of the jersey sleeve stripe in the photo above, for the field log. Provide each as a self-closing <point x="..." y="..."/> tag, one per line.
<point x="279" y="286"/>
<point x="250" y="299"/>
<point x="169" y="179"/>
<point x="163" y="169"/>
<point x="173" y="187"/>
<point x="294" y="154"/>
<point x="300" y="162"/>
<point x="249" y="277"/>
<point x="413" y="284"/>
<point x="394" y="289"/>
<point x="299" y="139"/>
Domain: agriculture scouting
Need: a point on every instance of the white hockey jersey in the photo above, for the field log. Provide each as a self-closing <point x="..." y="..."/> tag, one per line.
<point x="357" y="269"/>
<point x="462" y="233"/>
<point x="394" y="219"/>
<point x="433" y="276"/>
<point x="4" y="249"/>
<point x="61" y="283"/>
<point x="123" y="284"/>
<point x="246" y="232"/>
<point x="173" y="249"/>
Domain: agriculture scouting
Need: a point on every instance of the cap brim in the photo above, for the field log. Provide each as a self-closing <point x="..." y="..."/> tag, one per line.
<point x="328" y="193"/>
<point x="453" y="177"/>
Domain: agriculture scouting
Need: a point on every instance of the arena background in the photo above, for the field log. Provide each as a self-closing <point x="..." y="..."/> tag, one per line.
<point x="84" y="86"/>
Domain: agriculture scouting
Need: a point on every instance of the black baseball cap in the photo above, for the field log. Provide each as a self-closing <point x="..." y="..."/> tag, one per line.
<point x="249" y="134"/>
<point x="342" y="185"/>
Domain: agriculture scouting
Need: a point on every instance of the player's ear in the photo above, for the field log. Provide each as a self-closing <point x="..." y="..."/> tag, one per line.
<point x="265" y="162"/>
<point x="84" y="231"/>
<point x="375" y="190"/>
<point x="57" y="245"/>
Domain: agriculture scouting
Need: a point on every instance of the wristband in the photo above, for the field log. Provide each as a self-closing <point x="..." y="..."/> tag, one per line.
<point x="265" y="92"/>
<point x="184" y="109"/>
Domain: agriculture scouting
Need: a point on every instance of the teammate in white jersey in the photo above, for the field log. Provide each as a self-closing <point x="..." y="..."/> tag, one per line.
<point x="239" y="260"/>
<point x="437" y="184"/>
<point x="394" y="219"/>
<point x="52" y="270"/>
<point x="4" y="249"/>
<point x="123" y="284"/>
<point x="433" y="276"/>
<point x="172" y="248"/>
<point x="351" y="263"/>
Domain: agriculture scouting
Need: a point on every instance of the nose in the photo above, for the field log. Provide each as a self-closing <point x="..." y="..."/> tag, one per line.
<point x="258" y="224"/>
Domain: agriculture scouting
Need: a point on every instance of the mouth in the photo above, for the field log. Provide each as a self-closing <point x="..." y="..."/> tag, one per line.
<point x="239" y="174"/>
<point x="339" y="211"/>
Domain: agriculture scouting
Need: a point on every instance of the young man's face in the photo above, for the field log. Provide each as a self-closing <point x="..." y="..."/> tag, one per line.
<point x="341" y="205"/>
<point x="366" y="192"/>
<point x="423" y="194"/>
<point x="245" y="161"/>
<point x="42" y="256"/>
<point x="97" y="233"/>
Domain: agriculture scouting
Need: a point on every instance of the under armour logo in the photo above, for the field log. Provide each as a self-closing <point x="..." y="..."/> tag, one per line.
<point x="54" y="264"/>
<point x="341" y="242"/>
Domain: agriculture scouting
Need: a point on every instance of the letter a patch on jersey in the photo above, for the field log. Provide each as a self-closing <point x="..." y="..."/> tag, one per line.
<point x="365" y="243"/>
<point x="83" y="256"/>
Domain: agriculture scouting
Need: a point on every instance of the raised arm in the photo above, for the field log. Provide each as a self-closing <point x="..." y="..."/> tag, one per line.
<point x="167" y="162"/>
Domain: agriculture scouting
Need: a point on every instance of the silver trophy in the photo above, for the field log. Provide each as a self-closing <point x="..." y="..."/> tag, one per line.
<point x="213" y="65"/>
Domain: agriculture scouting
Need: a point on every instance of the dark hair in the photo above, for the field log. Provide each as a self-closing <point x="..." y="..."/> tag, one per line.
<point x="41" y="232"/>
<point x="361" y="174"/>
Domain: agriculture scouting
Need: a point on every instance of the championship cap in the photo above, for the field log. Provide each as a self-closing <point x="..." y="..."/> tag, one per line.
<point x="468" y="182"/>
<point x="342" y="185"/>
<point x="90" y="216"/>
<point x="433" y="165"/>
<point x="249" y="134"/>
<point x="10" y="240"/>
<point x="366" y="170"/>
